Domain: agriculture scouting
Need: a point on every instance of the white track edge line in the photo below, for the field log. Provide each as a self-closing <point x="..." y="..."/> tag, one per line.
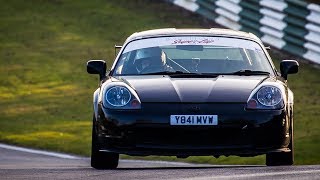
<point x="33" y="151"/>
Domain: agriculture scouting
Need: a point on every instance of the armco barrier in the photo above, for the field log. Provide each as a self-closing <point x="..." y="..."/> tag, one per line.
<point x="290" y="25"/>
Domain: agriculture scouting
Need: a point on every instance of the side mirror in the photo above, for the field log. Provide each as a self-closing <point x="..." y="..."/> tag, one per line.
<point x="288" y="67"/>
<point x="97" y="67"/>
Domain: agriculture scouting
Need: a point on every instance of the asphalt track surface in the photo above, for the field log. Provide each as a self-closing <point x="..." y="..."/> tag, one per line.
<point x="21" y="163"/>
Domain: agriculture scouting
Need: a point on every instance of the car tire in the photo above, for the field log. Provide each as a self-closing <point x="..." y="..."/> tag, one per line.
<point x="101" y="160"/>
<point x="282" y="158"/>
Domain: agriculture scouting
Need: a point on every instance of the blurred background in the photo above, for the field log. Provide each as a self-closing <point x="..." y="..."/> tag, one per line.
<point x="46" y="93"/>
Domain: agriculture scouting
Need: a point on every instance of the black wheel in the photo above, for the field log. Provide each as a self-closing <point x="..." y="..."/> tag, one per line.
<point x="282" y="158"/>
<point x="101" y="160"/>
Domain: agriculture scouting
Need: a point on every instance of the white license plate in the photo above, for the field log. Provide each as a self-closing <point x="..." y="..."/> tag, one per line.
<point x="194" y="120"/>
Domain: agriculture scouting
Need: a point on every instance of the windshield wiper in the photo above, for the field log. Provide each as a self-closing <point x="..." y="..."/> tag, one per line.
<point x="182" y="74"/>
<point x="248" y="72"/>
<point x="169" y="73"/>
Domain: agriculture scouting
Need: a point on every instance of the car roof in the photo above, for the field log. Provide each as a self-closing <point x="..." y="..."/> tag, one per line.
<point x="207" y="32"/>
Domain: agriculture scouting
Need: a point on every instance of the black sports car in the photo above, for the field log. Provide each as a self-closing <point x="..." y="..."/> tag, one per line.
<point x="192" y="92"/>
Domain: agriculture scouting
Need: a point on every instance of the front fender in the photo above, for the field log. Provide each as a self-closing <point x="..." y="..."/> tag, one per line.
<point x="95" y="102"/>
<point x="290" y="97"/>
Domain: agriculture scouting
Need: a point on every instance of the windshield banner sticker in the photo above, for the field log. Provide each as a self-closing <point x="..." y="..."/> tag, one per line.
<point x="191" y="40"/>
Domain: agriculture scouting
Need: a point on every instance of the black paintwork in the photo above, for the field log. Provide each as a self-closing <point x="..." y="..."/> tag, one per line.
<point x="163" y="88"/>
<point x="148" y="130"/>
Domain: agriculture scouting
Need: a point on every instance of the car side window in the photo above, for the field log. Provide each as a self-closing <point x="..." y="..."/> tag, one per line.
<point x="125" y="64"/>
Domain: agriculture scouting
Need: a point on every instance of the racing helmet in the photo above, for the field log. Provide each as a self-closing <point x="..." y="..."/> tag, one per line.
<point x="154" y="56"/>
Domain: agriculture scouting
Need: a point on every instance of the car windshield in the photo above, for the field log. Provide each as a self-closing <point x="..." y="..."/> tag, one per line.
<point x="192" y="55"/>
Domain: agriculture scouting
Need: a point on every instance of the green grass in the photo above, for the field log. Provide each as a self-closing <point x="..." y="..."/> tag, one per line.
<point x="46" y="94"/>
<point x="306" y="88"/>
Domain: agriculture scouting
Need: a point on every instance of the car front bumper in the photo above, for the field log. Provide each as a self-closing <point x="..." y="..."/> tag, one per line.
<point x="148" y="131"/>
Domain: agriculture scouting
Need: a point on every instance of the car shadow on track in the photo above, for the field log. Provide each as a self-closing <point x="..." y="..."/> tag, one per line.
<point x="191" y="167"/>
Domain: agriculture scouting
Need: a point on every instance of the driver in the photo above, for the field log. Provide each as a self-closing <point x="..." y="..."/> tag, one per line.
<point x="150" y="60"/>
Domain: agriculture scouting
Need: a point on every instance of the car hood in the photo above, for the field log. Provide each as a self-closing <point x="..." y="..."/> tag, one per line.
<point x="163" y="88"/>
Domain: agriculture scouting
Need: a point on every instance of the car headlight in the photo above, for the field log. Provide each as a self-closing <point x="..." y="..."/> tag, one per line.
<point x="120" y="97"/>
<point x="267" y="97"/>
